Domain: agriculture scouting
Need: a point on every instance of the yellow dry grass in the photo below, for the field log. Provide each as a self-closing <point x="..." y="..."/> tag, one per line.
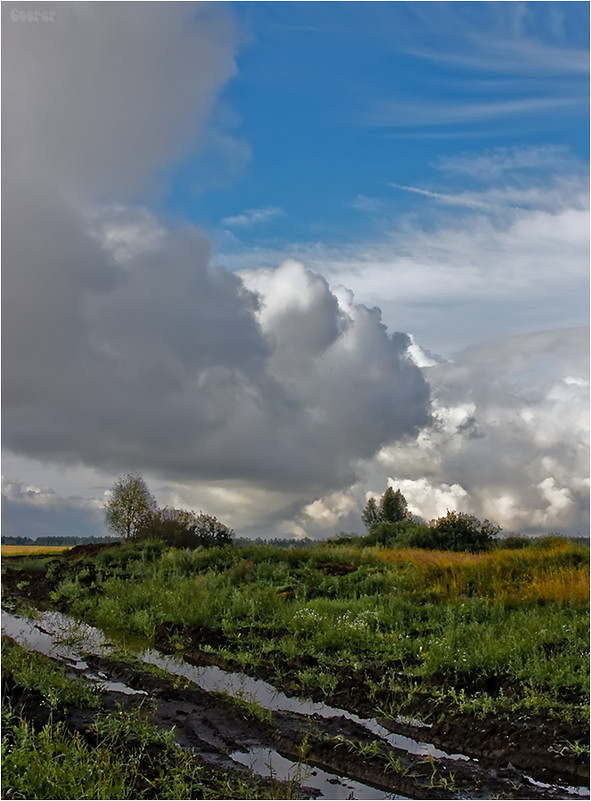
<point x="504" y="576"/>
<point x="26" y="550"/>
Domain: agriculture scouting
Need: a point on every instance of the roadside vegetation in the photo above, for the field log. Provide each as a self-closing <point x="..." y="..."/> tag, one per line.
<point x="467" y="626"/>
<point x="116" y="753"/>
<point x="402" y="629"/>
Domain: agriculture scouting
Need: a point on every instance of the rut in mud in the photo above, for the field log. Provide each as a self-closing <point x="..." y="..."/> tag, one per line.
<point x="231" y="720"/>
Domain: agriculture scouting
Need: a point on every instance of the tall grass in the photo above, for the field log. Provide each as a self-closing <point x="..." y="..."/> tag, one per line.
<point x="428" y="617"/>
<point x="557" y="574"/>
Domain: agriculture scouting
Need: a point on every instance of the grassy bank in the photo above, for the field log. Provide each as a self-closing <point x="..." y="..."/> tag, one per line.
<point x="426" y="632"/>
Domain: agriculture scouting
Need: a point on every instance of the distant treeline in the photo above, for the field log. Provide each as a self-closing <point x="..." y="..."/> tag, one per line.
<point x="287" y="542"/>
<point x="55" y="540"/>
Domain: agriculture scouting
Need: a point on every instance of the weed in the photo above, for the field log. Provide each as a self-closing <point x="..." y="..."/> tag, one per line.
<point x="576" y="748"/>
<point x="249" y="706"/>
<point x="37" y="672"/>
<point x="395" y="765"/>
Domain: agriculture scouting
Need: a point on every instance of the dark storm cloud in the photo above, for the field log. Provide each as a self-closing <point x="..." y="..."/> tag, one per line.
<point x="124" y="348"/>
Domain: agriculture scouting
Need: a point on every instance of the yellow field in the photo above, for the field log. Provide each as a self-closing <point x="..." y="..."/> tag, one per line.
<point x="532" y="575"/>
<point x="26" y="550"/>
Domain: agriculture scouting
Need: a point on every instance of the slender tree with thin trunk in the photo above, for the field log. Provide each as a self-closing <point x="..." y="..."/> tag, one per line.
<point x="129" y="505"/>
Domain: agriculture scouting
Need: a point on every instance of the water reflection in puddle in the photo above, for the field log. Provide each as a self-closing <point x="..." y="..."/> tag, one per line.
<point x="56" y="635"/>
<point x="63" y="638"/>
<point x="51" y="635"/>
<point x="269" y="763"/>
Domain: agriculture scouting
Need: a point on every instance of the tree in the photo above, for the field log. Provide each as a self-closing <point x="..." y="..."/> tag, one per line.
<point x="182" y="528"/>
<point x="392" y="509"/>
<point x="370" y="514"/>
<point x="393" y="506"/>
<point x="462" y="532"/>
<point x="129" y="506"/>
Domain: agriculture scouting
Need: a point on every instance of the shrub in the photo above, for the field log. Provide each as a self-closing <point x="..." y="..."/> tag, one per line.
<point x="462" y="532"/>
<point x="403" y="534"/>
<point x="514" y="543"/>
<point x="185" y="529"/>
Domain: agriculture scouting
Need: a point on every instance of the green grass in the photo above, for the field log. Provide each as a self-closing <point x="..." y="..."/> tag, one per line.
<point x="37" y="672"/>
<point x="422" y="623"/>
<point x="131" y="759"/>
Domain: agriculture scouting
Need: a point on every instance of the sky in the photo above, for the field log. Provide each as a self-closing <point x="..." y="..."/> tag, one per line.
<point x="278" y="256"/>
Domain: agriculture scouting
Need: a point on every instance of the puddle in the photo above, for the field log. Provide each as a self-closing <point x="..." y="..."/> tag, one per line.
<point x="65" y="639"/>
<point x="578" y="792"/>
<point x="56" y="635"/>
<point x="53" y="633"/>
<point x="214" y="679"/>
<point x="44" y="636"/>
<point x="270" y="764"/>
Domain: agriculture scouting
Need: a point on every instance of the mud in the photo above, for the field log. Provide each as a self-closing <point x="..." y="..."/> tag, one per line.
<point x="224" y="736"/>
<point x="530" y="743"/>
<point x="334" y="755"/>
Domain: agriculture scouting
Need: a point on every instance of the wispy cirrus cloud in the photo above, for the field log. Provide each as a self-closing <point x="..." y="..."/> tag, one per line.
<point x="251" y="217"/>
<point x="498" y="38"/>
<point x="497" y="64"/>
<point x="445" y="197"/>
<point x="409" y="114"/>
<point x="492" y="163"/>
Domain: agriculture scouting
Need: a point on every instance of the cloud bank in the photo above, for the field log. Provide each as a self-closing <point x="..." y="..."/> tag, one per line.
<point x="124" y="347"/>
<point x="271" y="396"/>
<point x="511" y="437"/>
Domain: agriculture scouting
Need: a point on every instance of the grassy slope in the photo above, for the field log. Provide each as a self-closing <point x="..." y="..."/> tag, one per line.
<point x="488" y="633"/>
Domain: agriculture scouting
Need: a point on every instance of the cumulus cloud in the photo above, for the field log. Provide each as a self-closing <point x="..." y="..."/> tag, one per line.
<point x="273" y="398"/>
<point x="511" y="437"/>
<point x="502" y="247"/>
<point x="124" y="347"/>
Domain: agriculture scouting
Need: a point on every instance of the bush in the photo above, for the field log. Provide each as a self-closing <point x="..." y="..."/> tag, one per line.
<point x="514" y="543"/>
<point x="403" y="534"/>
<point x="462" y="532"/>
<point x="180" y="528"/>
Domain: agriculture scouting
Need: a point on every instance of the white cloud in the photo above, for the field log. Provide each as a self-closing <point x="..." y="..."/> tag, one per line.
<point x="504" y="251"/>
<point x="501" y="161"/>
<point x="511" y="432"/>
<point x="33" y="511"/>
<point x="498" y="38"/>
<point x="411" y="114"/>
<point x="253" y="217"/>
<point x="265" y="396"/>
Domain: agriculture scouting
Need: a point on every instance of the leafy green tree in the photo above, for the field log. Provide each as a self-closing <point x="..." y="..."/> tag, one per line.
<point x="182" y="528"/>
<point x="392" y="509"/>
<point x="370" y="514"/>
<point x="463" y="532"/>
<point x="393" y="506"/>
<point x="210" y="531"/>
<point x="129" y="505"/>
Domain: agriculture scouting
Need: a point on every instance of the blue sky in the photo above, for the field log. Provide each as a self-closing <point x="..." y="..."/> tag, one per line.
<point x="336" y="102"/>
<point x="277" y="256"/>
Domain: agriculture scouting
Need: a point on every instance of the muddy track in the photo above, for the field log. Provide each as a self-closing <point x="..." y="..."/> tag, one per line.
<point x="510" y="758"/>
<point x="214" y="728"/>
<point x="531" y="743"/>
